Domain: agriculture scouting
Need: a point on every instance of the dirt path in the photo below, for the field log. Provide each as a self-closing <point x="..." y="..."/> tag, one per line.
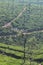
<point x="33" y="32"/>
<point x="9" y="24"/>
<point x="19" y="33"/>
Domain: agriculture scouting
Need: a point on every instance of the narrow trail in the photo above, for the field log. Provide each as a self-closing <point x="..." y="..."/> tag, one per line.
<point x="9" y="24"/>
<point x="19" y="32"/>
<point x="33" y="32"/>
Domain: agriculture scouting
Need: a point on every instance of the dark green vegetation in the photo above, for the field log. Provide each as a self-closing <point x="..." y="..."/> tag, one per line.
<point x="12" y="43"/>
<point x="33" y="15"/>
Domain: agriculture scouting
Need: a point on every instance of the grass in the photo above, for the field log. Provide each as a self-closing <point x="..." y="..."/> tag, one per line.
<point x="37" y="54"/>
<point x="12" y="52"/>
<point x="6" y="60"/>
<point x="12" y="46"/>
